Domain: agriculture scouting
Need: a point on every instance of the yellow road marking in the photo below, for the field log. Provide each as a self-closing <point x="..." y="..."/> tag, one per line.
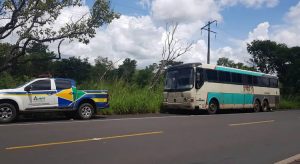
<point x="83" y="140"/>
<point x="250" y="123"/>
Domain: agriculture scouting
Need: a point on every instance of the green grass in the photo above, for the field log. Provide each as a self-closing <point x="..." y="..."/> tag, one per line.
<point x="290" y="102"/>
<point x="129" y="99"/>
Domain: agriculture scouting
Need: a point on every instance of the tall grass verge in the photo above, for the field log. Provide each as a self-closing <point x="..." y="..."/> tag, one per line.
<point x="289" y="102"/>
<point x="126" y="98"/>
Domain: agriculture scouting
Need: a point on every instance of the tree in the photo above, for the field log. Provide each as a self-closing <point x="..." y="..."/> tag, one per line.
<point x="127" y="69"/>
<point x="172" y="49"/>
<point x="37" y="61"/>
<point x="272" y="57"/>
<point x="265" y="53"/>
<point x="143" y="77"/>
<point x="32" y="21"/>
<point x="230" y="63"/>
<point x="75" y="68"/>
<point x="225" y="62"/>
<point x="102" y="65"/>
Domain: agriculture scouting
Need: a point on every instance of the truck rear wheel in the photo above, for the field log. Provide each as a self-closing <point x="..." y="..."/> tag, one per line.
<point x="85" y="111"/>
<point x="8" y="113"/>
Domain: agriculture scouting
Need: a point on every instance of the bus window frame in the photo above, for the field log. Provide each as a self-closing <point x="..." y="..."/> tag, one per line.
<point x="199" y="83"/>
<point x="184" y="89"/>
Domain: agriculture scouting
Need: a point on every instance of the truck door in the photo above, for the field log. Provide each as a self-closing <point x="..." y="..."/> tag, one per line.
<point x="65" y="93"/>
<point x="41" y="95"/>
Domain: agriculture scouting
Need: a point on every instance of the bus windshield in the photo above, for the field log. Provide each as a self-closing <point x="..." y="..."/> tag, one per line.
<point x="179" y="79"/>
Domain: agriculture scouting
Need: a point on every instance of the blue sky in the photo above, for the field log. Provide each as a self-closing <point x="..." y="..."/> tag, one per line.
<point x="139" y="33"/>
<point x="238" y="20"/>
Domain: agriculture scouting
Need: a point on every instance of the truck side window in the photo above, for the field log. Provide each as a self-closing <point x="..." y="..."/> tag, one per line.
<point x="41" y="85"/>
<point x="63" y="84"/>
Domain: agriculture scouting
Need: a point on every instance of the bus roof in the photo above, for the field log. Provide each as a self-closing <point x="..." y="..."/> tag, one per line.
<point x="222" y="68"/>
<point x="185" y="65"/>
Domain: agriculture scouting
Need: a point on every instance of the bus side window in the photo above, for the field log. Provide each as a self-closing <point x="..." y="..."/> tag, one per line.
<point x="266" y="81"/>
<point x="250" y="80"/>
<point x="247" y="80"/>
<point x="273" y="83"/>
<point x="255" y="82"/>
<point x="212" y="75"/>
<point x="236" y="78"/>
<point x="263" y="81"/>
<point x="224" y="77"/>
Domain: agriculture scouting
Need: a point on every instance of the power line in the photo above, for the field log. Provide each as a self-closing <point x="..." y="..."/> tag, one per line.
<point x="208" y="38"/>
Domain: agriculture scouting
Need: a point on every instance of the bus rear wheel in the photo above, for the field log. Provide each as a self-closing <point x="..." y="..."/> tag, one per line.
<point x="256" y="106"/>
<point x="265" y="106"/>
<point x="213" y="107"/>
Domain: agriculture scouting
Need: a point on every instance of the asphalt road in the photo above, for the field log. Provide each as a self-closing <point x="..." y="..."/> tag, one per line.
<point x="224" y="138"/>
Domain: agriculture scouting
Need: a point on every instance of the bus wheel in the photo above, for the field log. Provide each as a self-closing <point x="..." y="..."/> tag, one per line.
<point x="256" y="106"/>
<point x="265" y="106"/>
<point x="213" y="107"/>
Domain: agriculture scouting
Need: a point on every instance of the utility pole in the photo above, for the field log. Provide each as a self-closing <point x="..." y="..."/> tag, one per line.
<point x="208" y="38"/>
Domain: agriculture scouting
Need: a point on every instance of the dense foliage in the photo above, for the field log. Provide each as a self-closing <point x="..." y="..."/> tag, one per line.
<point x="271" y="57"/>
<point x="35" y="21"/>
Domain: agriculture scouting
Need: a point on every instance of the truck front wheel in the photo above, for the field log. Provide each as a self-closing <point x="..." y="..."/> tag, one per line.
<point x="85" y="111"/>
<point x="8" y="113"/>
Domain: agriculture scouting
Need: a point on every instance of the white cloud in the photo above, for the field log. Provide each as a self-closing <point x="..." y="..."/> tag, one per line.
<point x="261" y="32"/>
<point x="128" y="37"/>
<point x="197" y="53"/>
<point x="289" y="33"/>
<point x="294" y="14"/>
<point x="250" y="3"/>
<point x="238" y="51"/>
<point x="185" y="11"/>
<point x="72" y="14"/>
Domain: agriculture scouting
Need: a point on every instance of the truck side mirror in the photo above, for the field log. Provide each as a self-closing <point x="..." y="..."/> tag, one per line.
<point x="28" y="88"/>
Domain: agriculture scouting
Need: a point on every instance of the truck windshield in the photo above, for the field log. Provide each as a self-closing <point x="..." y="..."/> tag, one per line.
<point x="179" y="79"/>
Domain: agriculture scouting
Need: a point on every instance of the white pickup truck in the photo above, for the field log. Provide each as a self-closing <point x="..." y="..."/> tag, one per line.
<point x="50" y="94"/>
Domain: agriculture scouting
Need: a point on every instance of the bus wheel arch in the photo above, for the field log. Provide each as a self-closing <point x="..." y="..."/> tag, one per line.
<point x="213" y="106"/>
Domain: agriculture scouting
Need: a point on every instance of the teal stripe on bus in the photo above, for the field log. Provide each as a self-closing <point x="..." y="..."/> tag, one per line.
<point x="220" y="68"/>
<point x="231" y="98"/>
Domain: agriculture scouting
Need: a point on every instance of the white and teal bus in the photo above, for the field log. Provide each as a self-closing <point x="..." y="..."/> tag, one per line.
<point x="213" y="88"/>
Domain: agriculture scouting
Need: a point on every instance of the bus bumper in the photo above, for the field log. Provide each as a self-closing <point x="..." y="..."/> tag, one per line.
<point x="167" y="105"/>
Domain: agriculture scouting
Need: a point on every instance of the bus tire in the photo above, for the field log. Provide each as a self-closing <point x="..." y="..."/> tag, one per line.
<point x="8" y="113"/>
<point x="85" y="111"/>
<point x="256" y="106"/>
<point x="213" y="107"/>
<point x="265" y="106"/>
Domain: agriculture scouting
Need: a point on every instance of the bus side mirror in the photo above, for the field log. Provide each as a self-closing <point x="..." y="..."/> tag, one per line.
<point x="28" y="88"/>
